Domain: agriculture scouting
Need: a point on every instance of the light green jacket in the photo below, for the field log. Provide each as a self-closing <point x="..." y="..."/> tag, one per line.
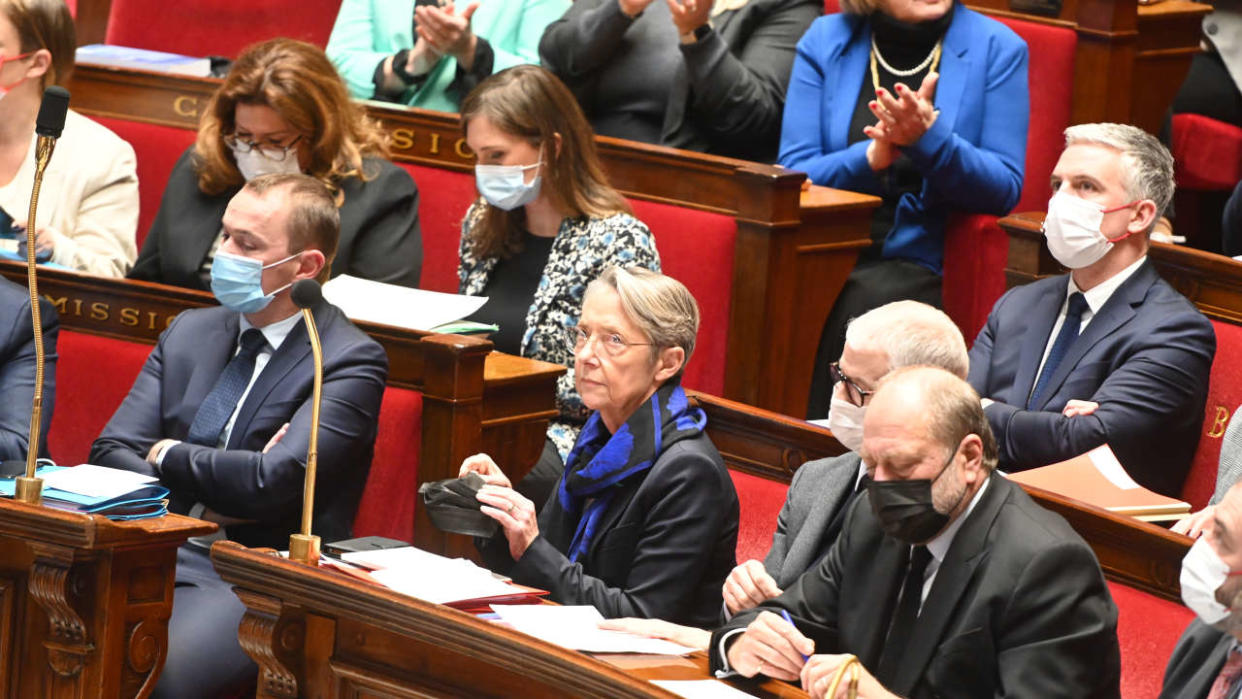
<point x="368" y="31"/>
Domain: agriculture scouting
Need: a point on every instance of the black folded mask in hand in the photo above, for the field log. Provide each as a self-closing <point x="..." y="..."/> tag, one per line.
<point x="453" y="506"/>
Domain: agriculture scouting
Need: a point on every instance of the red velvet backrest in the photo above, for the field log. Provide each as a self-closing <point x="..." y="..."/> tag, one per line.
<point x="156" y="149"/>
<point x="1147" y="628"/>
<point x="832" y="6"/>
<point x="443" y="197"/>
<point x="1207" y="154"/>
<point x="86" y="395"/>
<point x="217" y="27"/>
<point x="387" y="506"/>
<point x="1224" y="397"/>
<point x="73" y="7"/>
<point x="760" y="501"/>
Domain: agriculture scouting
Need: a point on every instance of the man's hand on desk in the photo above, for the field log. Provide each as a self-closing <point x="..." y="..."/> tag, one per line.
<point x="1075" y="408"/>
<point x="515" y="514"/>
<point x="820" y="670"/>
<point x="658" y="628"/>
<point x="770" y="646"/>
<point x="748" y="586"/>
<point x="1194" y="525"/>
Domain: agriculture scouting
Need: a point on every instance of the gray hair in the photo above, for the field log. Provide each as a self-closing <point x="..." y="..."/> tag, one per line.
<point x="951" y="407"/>
<point x="1148" y="167"/>
<point x="911" y="334"/>
<point x="659" y="305"/>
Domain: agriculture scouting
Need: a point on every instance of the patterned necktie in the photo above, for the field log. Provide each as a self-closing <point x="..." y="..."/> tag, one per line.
<point x="1227" y="677"/>
<point x="1065" y="338"/>
<point x="904" y="618"/>
<point x="218" y="407"/>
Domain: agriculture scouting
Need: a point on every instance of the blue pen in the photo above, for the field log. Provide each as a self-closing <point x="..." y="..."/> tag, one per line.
<point x="790" y="620"/>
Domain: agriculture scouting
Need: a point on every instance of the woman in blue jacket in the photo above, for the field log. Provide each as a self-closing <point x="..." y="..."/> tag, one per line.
<point x="923" y="104"/>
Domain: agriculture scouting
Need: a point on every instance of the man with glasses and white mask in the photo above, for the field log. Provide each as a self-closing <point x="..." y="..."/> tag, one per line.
<point x="221" y="415"/>
<point x="1110" y="353"/>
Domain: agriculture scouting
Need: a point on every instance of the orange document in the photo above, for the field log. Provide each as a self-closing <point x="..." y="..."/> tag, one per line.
<point x="1097" y="478"/>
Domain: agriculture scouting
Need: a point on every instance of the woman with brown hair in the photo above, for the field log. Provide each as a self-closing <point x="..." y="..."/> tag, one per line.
<point x="89" y="200"/>
<point x="283" y="108"/>
<point x="546" y="225"/>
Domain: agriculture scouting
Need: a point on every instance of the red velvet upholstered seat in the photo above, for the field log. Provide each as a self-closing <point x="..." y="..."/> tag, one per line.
<point x="760" y="501"/>
<point x="217" y="27"/>
<point x="156" y="149"/>
<point x="86" y="395"/>
<point x="1207" y="154"/>
<point x="1224" y="397"/>
<point x="1147" y="628"/>
<point x="387" y="506"/>
<point x="443" y="197"/>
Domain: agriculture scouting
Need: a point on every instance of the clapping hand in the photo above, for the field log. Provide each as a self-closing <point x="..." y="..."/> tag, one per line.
<point x="689" y="15"/>
<point x="446" y="32"/>
<point x="910" y="114"/>
<point x="631" y="8"/>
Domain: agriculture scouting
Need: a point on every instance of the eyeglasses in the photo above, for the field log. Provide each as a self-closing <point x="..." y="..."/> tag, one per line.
<point x="612" y="343"/>
<point x="271" y="150"/>
<point x="855" y="394"/>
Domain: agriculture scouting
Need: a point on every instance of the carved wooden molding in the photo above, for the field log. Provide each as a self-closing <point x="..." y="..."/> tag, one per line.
<point x="259" y="638"/>
<point x="146" y="645"/>
<point x="52" y="583"/>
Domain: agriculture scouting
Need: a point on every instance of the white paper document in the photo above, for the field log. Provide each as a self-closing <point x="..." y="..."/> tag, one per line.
<point x="577" y="628"/>
<point x="700" y="689"/>
<point x="399" y="306"/>
<point x="96" y="481"/>
<point x="430" y="577"/>
<point x="1106" y="462"/>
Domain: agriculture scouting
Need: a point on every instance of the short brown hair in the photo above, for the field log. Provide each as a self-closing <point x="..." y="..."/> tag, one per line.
<point x="952" y="407"/>
<point x="45" y="24"/>
<point x="313" y="222"/>
<point x="298" y="81"/>
<point x="530" y="103"/>
<point x="662" y="307"/>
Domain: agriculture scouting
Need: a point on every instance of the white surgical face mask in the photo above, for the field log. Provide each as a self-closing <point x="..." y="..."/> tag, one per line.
<point x="846" y="422"/>
<point x="505" y="186"/>
<point x="254" y="163"/>
<point x="1072" y="228"/>
<point x="1203" y="572"/>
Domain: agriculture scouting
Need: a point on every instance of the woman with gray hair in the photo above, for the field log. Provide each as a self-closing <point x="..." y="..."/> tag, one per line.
<point x="644" y="520"/>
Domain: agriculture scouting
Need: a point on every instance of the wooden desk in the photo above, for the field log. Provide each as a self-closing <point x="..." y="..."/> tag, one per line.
<point x="84" y="601"/>
<point x="320" y="633"/>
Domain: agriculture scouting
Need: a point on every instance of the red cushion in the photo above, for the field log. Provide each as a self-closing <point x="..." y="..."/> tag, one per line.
<point x="217" y="27"/>
<point x="73" y="6"/>
<point x="760" y="501"/>
<point x="696" y="248"/>
<point x="1147" y="628"/>
<point x="1224" y="396"/>
<point x="387" y="506"/>
<point x="1207" y="154"/>
<point x="157" y="149"/>
<point x="86" y="397"/>
<point x="443" y="198"/>
<point x="832" y="6"/>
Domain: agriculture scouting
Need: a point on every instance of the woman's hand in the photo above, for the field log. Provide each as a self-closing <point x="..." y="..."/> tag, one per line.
<point x="45" y="237"/>
<point x="631" y="8"/>
<point x="483" y="465"/>
<point x="880" y="152"/>
<point x="658" y="628"/>
<point x="819" y="671"/>
<point x="448" y="33"/>
<point x="908" y="115"/>
<point x="515" y="514"/>
<point x="689" y="15"/>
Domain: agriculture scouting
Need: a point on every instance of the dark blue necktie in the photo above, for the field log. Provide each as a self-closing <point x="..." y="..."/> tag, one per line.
<point x="1065" y="338"/>
<point x="219" y="405"/>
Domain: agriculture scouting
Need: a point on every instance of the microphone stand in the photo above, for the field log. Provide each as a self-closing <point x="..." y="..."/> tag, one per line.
<point x="304" y="547"/>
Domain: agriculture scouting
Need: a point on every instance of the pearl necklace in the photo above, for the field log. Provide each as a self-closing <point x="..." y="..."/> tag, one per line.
<point x="935" y="53"/>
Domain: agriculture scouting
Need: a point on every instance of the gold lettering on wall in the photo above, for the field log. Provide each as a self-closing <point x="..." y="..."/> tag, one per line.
<point x="403" y="139"/>
<point x="100" y="311"/>
<point x="186" y="106"/>
<point x="61" y="304"/>
<point x="1219" y="422"/>
<point x="435" y="144"/>
<point x="129" y="316"/>
<point x="462" y="149"/>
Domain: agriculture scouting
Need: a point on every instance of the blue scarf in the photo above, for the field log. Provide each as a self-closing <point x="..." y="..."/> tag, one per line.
<point x="600" y="461"/>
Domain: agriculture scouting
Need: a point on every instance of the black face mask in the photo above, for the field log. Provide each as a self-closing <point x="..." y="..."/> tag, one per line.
<point x="905" y="508"/>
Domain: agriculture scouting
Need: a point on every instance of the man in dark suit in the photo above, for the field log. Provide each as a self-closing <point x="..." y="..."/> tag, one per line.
<point x="17" y="370"/>
<point x="948" y="581"/>
<point x="1110" y="353"/>
<point x="1207" y="661"/>
<point x="221" y="414"/>
<point x="899" y="334"/>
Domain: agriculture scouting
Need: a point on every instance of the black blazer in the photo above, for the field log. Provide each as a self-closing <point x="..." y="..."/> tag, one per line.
<point x="728" y="89"/>
<point x="240" y="480"/>
<point x="1018" y="607"/>
<point x="17" y="369"/>
<point x="663" y="549"/>
<point x="1145" y="358"/>
<point x="380" y="236"/>
<point x="1196" y="661"/>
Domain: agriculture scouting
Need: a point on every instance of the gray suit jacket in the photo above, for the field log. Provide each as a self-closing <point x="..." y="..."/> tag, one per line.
<point x="1230" y="464"/>
<point x="817" y="491"/>
<point x="1195" y="663"/>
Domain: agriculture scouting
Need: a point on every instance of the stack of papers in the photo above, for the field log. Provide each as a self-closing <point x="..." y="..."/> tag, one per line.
<point x="433" y="578"/>
<point x="143" y="59"/>
<point x="577" y="628"/>
<point x="398" y="306"/>
<point x="114" y="493"/>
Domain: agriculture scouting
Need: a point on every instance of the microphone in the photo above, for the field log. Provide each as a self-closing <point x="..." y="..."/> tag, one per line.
<point x="48" y="125"/>
<point x="304" y="547"/>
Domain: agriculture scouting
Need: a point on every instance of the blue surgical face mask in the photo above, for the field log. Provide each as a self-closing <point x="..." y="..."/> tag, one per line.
<point x="505" y="186"/>
<point x="237" y="282"/>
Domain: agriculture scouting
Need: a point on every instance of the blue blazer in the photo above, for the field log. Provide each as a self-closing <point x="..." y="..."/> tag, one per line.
<point x="17" y="369"/>
<point x="240" y="480"/>
<point x="971" y="158"/>
<point x="1145" y="358"/>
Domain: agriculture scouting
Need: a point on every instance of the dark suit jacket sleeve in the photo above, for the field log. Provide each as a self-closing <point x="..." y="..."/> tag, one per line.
<point x="389" y="246"/>
<point x="1196" y="661"/>
<point x="674" y="547"/>
<point x="17" y="379"/>
<point x="744" y="94"/>
<point x="137" y="424"/>
<point x="148" y="266"/>
<point x="583" y="41"/>
<point x="1164" y="377"/>
<point x="268" y="487"/>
